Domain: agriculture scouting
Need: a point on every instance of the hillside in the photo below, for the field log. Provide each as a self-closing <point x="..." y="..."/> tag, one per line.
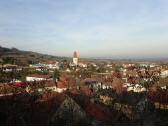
<point x="19" y="57"/>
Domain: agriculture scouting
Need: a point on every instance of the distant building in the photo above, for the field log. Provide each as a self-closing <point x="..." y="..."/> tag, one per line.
<point x="37" y="77"/>
<point x="164" y="73"/>
<point x="49" y="85"/>
<point x="92" y="84"/>
<point x="44" y="65"/>
<point x="75" y="58"/>
<point x="82" y="64"/>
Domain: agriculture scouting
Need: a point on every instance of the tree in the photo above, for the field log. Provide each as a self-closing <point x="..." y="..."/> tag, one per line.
<point x="1" y="70"/>
<point x="56" y="75"/>
<point x="101" y="69"/>
<point x="117" y="85"/>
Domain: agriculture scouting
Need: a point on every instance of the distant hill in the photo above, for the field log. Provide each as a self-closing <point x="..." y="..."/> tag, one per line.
<point x="19" y="57"/>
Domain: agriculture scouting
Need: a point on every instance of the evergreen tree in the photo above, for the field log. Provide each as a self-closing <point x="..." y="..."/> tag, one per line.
<point x="56" y="75"/>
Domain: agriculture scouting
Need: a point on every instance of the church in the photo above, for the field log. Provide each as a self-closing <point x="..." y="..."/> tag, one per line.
<point x="75" y="58"/>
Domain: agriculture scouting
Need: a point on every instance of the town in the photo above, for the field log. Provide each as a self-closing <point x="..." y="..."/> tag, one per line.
<point x="83" y="63"/>
<point x="74" y="90"/>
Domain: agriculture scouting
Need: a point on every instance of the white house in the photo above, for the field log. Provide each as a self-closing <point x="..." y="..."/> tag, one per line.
<point x="49" y="85"/>
<point x="82" y="65"/>
<point x="135" y="88"/>
<point x="37" y="77"/>
<point x="106" y="86"/>
<point x="164" y="73"/>
<point x="61" y="87"/>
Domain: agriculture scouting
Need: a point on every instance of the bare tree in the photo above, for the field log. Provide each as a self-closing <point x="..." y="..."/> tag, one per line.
<point x="117" y="85"/>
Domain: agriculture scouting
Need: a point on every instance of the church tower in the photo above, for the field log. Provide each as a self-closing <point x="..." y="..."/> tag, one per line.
<point x="75" y="58"/>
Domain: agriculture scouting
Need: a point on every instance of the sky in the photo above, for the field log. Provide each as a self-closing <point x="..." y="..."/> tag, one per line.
<point x="94" y="28"/>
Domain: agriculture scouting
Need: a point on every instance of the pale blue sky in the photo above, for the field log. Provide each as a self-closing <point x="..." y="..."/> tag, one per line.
<point x="95" y="28"/>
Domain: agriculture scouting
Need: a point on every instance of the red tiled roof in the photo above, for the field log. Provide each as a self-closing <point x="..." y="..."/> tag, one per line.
<point x="40" y="76"/>
<point x="85" y="90"/>
<point x="49" y="62"/>
<point x="97" y="111"/>
<point x="88" y="80"/>
<point x="20" y="84"/>
<point x="61" y="84"/>
<point x="6" y="88"/>
<point x="49" y="83"/>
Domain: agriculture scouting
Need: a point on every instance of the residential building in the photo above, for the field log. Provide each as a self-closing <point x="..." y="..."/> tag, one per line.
<point x="38" y="77"/>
